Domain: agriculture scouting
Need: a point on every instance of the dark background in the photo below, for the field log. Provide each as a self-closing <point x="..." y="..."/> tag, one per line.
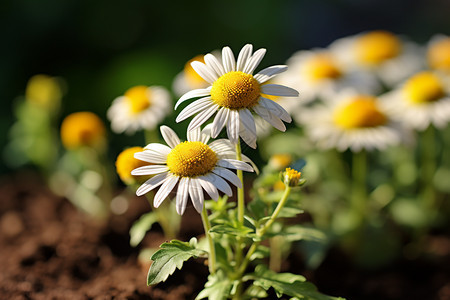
<point x="101" y="48"/>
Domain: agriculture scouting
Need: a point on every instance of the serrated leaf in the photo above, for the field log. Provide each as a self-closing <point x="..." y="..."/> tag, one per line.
<point x="141" y="226"/>
<point x="171" y="256"/>
<point x="242" y="231"/>
<point x="218" y="287"/>
<point x="287" y="284"/>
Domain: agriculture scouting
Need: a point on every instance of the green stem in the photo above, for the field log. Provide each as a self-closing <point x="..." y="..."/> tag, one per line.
<point x="240" y="193"/>
<point x="150" y="136"/>
<point x="212" y="250"/>
<point x="260" y="233"/>
<point x="164" y="214"/>
<point x="359" y="191"/>
<point x="428" y="166"/>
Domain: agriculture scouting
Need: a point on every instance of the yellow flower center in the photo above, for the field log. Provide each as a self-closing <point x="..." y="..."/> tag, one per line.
<point x="291" y="177"/>
<point x="191" y="159"/>
<point x="191" y="75"/>
<point x="423" y="87"/>
<point x="439" y="55"/>
<point x="82" y="129"/>
<point x="361" y="112"/>
<point x="126" y="162"/>
<point x="322" y="66"/>
<point x="280" y="161"/>
<point x="138" y="98"/>
<point x="44" y="90"/>
<point x="376" y="47"/>
<point x="236" y="90"/>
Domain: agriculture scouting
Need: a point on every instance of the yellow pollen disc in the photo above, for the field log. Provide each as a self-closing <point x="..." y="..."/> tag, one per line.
<point x="438" y="55"/>
<point x="376" y="47"/>
<point x="423" y="87"/>
<point x="322" y="66"/>
<point x="191" y="76"/>
<point x="191" y="159"/>
<point x="236" y="90"/>
<point x="292" y="177"/>
<point x="82" y="129"/>
<point x="138" y="98"/>
<point x="361" y="112"/>
<point x="126" y="162"/>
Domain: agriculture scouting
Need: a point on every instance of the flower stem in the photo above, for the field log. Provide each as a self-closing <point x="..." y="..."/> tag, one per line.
<point x="264" y="228"/>
<point x="359" y="191"/>
<point x="428" y="166"/>
<point x="212" y="250"/>
<point x="240" y="192"/>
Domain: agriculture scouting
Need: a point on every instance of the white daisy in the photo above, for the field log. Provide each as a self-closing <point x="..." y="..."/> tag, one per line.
<point x="188" y="79"/>
<point x="422" y="100"/>
<point x="195" y="165"/>
<point x="438" y="53"/>
<point x="391" y="57"/>
<point x="233" y="93"/>
<point x="141" y="107"/>
<point x="321" y="74"/>
<point x="352" y="121"/>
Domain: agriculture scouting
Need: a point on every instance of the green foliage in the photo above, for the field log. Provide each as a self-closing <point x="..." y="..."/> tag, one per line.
<point x="286" y="284"/>
<point x="218" y="287"/>
<point x="141" y="226"/>
<point x="171" y="256"/>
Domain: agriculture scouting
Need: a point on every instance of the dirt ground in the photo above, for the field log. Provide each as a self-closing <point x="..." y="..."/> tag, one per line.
<point x="49" y="250"/>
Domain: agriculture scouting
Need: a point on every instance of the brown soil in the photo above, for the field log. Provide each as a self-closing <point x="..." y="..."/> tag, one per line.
<point x="49" y="250"/>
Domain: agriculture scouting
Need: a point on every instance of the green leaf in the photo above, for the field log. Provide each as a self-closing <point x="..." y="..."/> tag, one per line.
<point x="237" y="230"/>
<point x="172" y="255"/>
<point x="287" y="284"/>
<point x="298" y="232"/>
<point x="218" y="287"/>
<point x="141" y="226"/>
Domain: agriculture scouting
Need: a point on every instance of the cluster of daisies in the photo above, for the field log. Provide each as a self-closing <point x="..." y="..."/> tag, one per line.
<point x="363" y="92"/>
<point x="228" y="94"/>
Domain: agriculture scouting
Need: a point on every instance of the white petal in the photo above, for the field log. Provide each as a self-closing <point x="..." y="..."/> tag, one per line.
<point x="150" y="170"/>
<point x="254" y="61"/>
<point x="233" y="126"/>
<point x="194" y="108"/>
<point x="193" y="94"/>
<point x="234" y="164"/>
<point x="206" y="134"/>
<point x="269" y="117"/>
<point x="278" y="90"/>
<point x="182" y="195"/>
<point x="219" y="121"/>
<point x="247" y="137"/>
<point x="228" y="175"/>
<point x="204" y="71"/>
<point x="229" y="64"/>
<point x="212" y="62"/>
<point x="219" y="183"/>
<point x="157" y="148"/>
<point x="209" y="188"/>
<point x="164" y="190"/>
<point x="169" y="136"/>
<point x="194" y="135"/>
<point x="268" y="73"/>
<point x="202" y="117"/>
<point x="196" y="193"/>
<point x="150" y="184"/>
<point x="243" y="57"/>
<point x="248" y="122"/>
<point x="275" y="109"/>
<point x="151" y="156"/>
<point x="222" y="145"/>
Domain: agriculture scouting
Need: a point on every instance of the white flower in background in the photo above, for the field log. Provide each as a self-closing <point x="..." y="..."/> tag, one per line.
<point x="352" y="121"/>
<point x="188" y="79"/>
<point x="438" y="53"/>
<point x="233" y="93"/>
<point x="195" y="165"/>
<point x="421" y="101"/>
<point x="320" y="74"/>
<point x="141" y="107"/>
<point x="391" y="57"/>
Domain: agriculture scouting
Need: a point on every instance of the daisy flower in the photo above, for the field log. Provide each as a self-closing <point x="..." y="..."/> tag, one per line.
<point x="422" y="100"/>
<point x="83" y="129"/>
<point x="234" y="92"/>
<point x="126" y="162"/>
<point x="188" y="79"/>
<point x="352" y="121"/>
<point x="391" y="57"/>
<point x="320" y="74"/>
<point x="438" y="53"/>
<point x="194" y="164"/>
<point x="141" y="107"/>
